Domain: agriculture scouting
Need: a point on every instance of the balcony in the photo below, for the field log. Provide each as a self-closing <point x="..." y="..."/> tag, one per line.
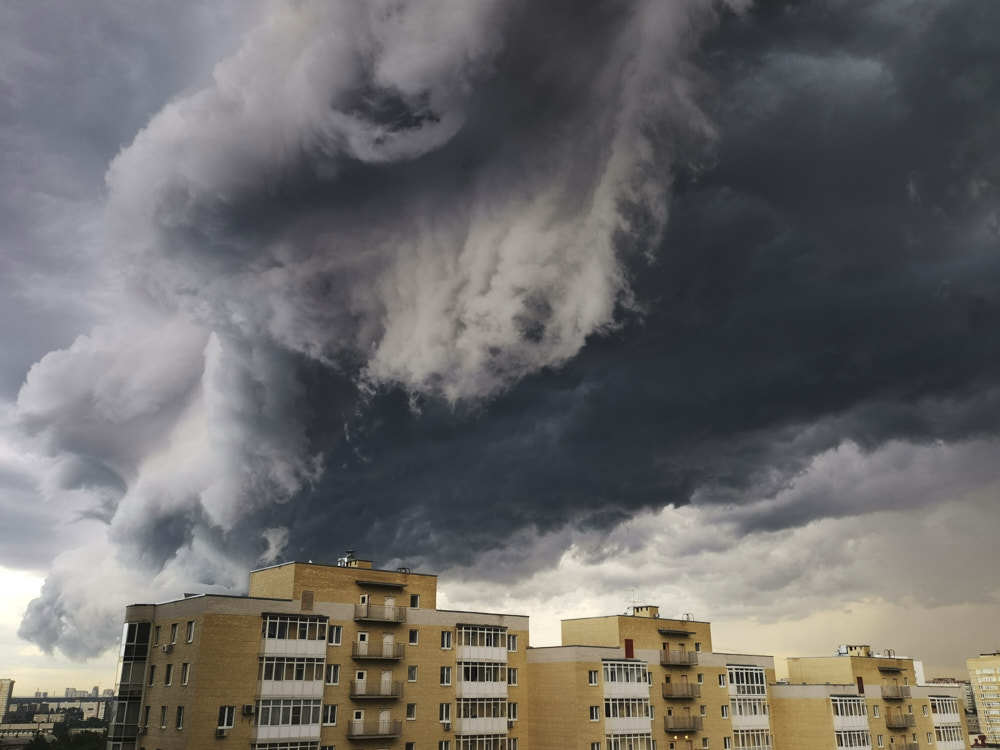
<point x="364" y="690"/>
<point x="900" y="721"/>
<point x="374" y="730"/>
<point x="291" y="688"/>
<point x="895" y="692"/>
<point x="484" y="725"/>
<point x="682" y="723"/>
<point x="379" y="613"/>
<point x="294" y="647"/>
<point x="677" y="658"/>
<point x="911" y="746"/>
<point x="383" y="652"/>
<point x="681" y="690"/>
<point x="286" y="732"/>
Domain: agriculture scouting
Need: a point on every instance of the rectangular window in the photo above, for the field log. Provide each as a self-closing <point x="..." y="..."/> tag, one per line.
<point x="168" y="675"/>
<point x="445" y="675"/>
<point x="930" y="738"/>
<point x="332" y="674"/>
<point x="722" y="680"/>
<point x="180" y="717"/>
<point x="595" y="713"/>
<point x="704" y="741"/>
<point x="725" y="712"/>
<point x="697" y="647"/>
<point x="875" y="710"/>
<point x="189" y="633"/>
<point x="701" y="679"/>
<point x="923" y="709"/>
<point x="512" y="676"/>
<point x="410" y="746"/>
<point x="595" y="746"/>
<point x="444" y="712"/>
<point x="512" y="711"/>
<point x="173" y="633"/>
<point x="145" y="716"/>
<point x="330" y="714"/>
<point x="152" y="673"/>
<point x="592" y="677"/>
<point x="414" y="635"/>
<point x="445" y="639"/>
<point x="227" y="717"/>
<point x="334" y="634"/>
<point x="414" y="601"/>
<point x="411" y="673"/>
<point x="444" y="745"/>
<point x="185" y="673"/>
<point x="881" y="741"/>
<point x="511" y="642"/>
<point x="512" y="743"/>
<point x="156" y="635"/>
<point x="411" y="711"/>
<point x="163" y="717"/>
<point x="704" y="710"/>
<point x="727" y="743"/>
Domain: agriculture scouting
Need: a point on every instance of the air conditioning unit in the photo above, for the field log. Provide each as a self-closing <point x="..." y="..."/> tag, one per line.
<point x="219" y="733"/>
<point x="167" y="648"/>
<point x="248" y="709"/>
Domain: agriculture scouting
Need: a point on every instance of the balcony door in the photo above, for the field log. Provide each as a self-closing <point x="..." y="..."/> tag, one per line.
<point x="384" y="722"/>
<point x="386" y="683"/>
<point x="388" y="644"/>
<point x="358" y="722"/>
<point x="362" y="644"/>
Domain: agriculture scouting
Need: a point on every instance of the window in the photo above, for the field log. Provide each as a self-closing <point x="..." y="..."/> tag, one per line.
<point x="592" y="678"/>
<point x="289" y="668"/>
<point x="163" y="717"/>
<point x="185" y="673"/>
<point x="482" y="671"/>
<point x="725" y="712"/>
<point x="180" y="717"/>
<point x="173" y="633"/>
<point x="145" y="716"/>
<point x="445" y="639"/>
<point x="481" y="708"/>
<point x="722" y="680"/>
<point x="923" y="710"/>
<point x="848" y="706"/>
<point x="595" y="746"/>
<point x="294" y="627"/>
<point x="444" y="745"/>
<point x="330" y="714"/>
<point x="881" y="741"/>
<point x="949" y="733"/>
<point x="701" y="679"/>
<point x="227" y="717"/>
<point x="631" y="742"/>
<point x="853" y="738"/>
<point x="703" y="710"/>
<point x="411" y="711"/>
<point x="414" y="601"/>
<point x="168" y="675"/>
<point x="512" y="675"/>
<point x="278" y="712"/>
<point x="930" y="738"/>
<point x="411" y="746"/>
<point x="595" y="713"/>
<point x="189" y="633"/>
<point x="748" y="706"/>
<point x="511" y="642"/>
<point x="414" y="637"/>
<point x="493" y="636"/>
<point x="411" y="673"/>
<point x="697" y="647"/>
<point x="156" y="635"/>
<point x="444" y="712"/>
<point x="704" y="741"/>
<point x="875" y="710"/>
<point x="909" y="708"/>
<point x="751" y="738"/>
<point x="727" y="743"/>
<point x="626" y="708"/>
<point x="332" y="674"/>
<point x="512" y="711"/>
<point x="152" y="673"/>
<point x="748" y="680"/>
<point x="445" y="675"/>
<point x="625" y="671"/>
<point x="334" y="634"/>
<point x="512" y="743"/>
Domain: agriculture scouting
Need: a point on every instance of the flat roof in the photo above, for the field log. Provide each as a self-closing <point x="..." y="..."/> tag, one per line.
<point x="472" y="612"/>
<point x="637" y="617"/>
<point x="219" y="596"/>
<point x="342" y="567"/>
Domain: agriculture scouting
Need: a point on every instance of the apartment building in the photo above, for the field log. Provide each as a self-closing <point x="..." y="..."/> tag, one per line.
<point x="984" y="676"/>
<point x="6" y="691"/>
<point x="320" y="656"/>
<point x="639" y="681"/>
<point x="862" y="699"/>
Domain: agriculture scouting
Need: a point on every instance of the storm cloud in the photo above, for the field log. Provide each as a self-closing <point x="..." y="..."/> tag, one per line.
<point x="426" y="280"/>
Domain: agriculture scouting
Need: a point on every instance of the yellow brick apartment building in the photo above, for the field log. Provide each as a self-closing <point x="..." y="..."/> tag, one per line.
<point x="328" y="657"/>
<point x="984" y="676"/>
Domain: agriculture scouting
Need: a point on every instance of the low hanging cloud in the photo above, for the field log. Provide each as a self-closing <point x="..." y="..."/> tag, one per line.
<point x="421" y="279"/>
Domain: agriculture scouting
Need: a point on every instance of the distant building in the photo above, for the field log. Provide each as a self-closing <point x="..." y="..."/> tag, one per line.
<point x="6" y="691"/>
<point x="984" y="674"/>
<point x="41" y="694"/>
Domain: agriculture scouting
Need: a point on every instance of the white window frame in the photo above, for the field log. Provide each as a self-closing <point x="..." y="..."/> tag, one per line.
<point x="185" y="672"/>
<point x="595" y="713"/>
<point x="227" y="717"/>
<point x="411" y="711"/>
<point x="329" y="717"/>
<point x="446" y="640"/>
<point x="411" y="672"/>
<point x="332" y="670"/>
<point x="445" y="674"/>
<point x="593" y="678"/>
<point x="189" y="632"/>
<point x="413" y="637"/>
<point x="335" y="635"/>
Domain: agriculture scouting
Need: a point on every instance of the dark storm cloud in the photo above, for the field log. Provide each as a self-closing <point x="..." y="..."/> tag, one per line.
<point x="417" y="296"/>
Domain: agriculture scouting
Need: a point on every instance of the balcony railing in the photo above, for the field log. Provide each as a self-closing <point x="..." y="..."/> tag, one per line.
<point x="682" y="723"/>
<point x="378" y="651"/>
<point x="895" y="692"/>
<point x="900" y="721"/>
<point x="678" y="658"/>
<point x="364" y="690"/>
<point x="681" y="690"/>
<point x="379" y="613"/>
<point x="374" y="730"/>
<point x="910" y="746"/>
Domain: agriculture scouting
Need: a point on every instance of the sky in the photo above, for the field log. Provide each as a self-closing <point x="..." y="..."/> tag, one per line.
<point x="577" y="304"/>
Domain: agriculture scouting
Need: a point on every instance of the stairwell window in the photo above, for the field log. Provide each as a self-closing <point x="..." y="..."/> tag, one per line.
<point x="227" y="717"/>
<point x="156" y="635"/>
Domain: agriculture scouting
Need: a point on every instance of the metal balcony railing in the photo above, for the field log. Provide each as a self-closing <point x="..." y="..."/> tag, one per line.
<point x="379" y="613"/>
<point x="895" y="692"/>
<point x="678" y="658"/>
<point x="681" y="690"/>
<point x="682" y="723"/>
<point x="375" y="730"/>
<point x="900" y="721"/>
<point x="364" y="690"/>
<point x="378" y="651"/>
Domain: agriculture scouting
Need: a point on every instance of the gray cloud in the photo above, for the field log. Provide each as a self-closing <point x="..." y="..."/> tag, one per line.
<point x="401" y="277"/>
